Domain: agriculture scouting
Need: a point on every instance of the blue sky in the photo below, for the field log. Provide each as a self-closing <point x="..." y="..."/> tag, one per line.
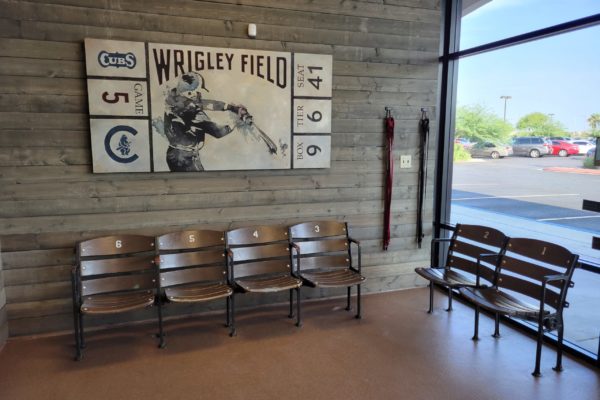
<point x="559" y="75"/>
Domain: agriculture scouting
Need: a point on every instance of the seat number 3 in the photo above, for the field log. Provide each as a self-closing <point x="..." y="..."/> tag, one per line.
<point x="317" y="229"/>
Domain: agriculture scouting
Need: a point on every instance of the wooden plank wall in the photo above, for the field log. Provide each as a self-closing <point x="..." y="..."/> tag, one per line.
<point x="3" y="312"/>
<point x="384" y="51"/>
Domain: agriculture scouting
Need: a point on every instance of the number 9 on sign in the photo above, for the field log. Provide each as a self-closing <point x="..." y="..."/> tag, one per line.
<point x="312" y="151"/>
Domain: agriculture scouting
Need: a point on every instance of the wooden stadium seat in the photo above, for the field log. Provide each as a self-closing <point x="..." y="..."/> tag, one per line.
<point x="530" y="283"/>
<point x="113" y="274"/>
<point x="471" y="247"/>
<point x="259" y="262"/>
<point x="323" y="257"/>
<point x="192" y="268"/>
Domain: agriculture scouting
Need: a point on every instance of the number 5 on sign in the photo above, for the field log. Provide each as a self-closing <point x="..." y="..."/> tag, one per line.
<point x="312" y="151"/>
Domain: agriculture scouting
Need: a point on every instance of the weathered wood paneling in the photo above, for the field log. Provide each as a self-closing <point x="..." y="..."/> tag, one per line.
<point x="3" y="307"/>
<point x="384" y="54"/>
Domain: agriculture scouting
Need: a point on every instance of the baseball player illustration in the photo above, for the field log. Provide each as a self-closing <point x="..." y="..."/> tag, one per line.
<point x="186" y="123"/>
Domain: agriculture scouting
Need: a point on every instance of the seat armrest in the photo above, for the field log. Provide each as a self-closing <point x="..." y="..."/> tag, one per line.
<point x="352" y="240"/>
<point x="297" y="248"/>
<point x="439" y="240"/>
<point x="556" y="277"/>
<point x="356" y="242"/>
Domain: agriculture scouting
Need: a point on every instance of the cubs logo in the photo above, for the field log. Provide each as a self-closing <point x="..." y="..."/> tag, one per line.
<point x="118" y="60"/>
<point x="123" y="146"/>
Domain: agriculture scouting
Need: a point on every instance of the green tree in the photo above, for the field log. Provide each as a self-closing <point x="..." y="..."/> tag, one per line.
<point x="540" y="124"/>
<point x="479" y="125"/>
<point x="594" y="121"/>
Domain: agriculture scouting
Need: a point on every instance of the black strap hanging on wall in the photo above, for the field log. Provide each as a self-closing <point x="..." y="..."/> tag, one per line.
<point x="389" y="178"/>
<point x="424" y="136"/>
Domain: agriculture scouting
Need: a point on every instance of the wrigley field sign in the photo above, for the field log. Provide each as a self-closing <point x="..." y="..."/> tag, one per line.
<point x="161" y="107"/>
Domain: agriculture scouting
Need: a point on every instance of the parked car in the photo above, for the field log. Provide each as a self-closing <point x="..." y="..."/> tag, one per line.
<point x="563" y="148"/>
<point x="584" y="145"/>
<point x="465" y="143"/>
<point x="568" y="139"/>
<point x="533" y="146"/>
<point x="489" y="149"/>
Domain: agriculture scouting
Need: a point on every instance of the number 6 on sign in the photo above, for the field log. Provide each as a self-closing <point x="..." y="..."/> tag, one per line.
<point x="312" y="116"/>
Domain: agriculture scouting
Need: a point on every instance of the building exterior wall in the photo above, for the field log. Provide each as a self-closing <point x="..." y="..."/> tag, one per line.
<point x="384" y="54"/>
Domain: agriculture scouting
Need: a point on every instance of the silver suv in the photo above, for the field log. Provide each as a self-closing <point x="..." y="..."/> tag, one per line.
<point x="533" y="146"/>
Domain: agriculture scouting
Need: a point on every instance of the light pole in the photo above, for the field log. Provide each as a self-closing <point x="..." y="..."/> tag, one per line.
<point x="506" y="98"/>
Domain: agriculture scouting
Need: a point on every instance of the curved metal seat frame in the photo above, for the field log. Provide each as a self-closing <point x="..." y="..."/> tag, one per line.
<point x="113" y="274"/>
<point x="192" y="268"/>
<point x="259" y="261"/>
<point x="530" y="283"/>
<point x="322" y="256"/>
<point x="466" y="246"/>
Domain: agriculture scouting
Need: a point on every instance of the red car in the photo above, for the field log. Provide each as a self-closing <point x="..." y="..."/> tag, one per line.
<point x="563" y="148"/>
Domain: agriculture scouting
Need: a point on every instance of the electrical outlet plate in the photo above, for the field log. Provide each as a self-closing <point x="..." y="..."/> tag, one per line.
<point x="405" y="162"/>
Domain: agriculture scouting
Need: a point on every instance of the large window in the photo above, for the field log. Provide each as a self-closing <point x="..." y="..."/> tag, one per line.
<point x="521" y="119"/>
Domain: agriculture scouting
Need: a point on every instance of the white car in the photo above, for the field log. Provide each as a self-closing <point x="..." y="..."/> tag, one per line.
<point x="584" y="145"/>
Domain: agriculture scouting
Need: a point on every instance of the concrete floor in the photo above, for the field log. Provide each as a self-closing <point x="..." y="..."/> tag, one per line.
<point x="396" y="351"/>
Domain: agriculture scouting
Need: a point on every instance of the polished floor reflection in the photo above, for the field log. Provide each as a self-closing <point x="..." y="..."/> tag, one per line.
<point x="396" y="351"/>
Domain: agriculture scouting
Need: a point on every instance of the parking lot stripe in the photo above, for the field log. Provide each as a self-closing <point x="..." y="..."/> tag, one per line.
<point x="558" y="219"/>
<point x="516" y="196"/>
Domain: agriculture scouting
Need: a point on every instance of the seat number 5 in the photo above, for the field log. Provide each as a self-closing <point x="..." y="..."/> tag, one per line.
<point x="192" y="239"/>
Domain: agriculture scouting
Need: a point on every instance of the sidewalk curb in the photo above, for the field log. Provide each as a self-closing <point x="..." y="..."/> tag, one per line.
<point x="583" y="171"/>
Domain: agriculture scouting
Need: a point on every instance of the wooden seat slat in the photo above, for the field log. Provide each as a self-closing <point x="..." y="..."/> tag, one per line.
<point x="325" y="261"/>
<point x="116" y="265"/>
<point x="335" y="278"/>
<point x="191" y="259"/>
<point x="198" y="292"/>
<point x="322" y="246"/>
<point x="117" y="303"/>
<point x="269" y="284"/>
<point x="318" y="229"/>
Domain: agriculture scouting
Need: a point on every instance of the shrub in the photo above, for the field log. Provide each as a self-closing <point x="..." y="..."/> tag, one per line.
<point x="460" y="154"/>
<point x="588" y="162"/>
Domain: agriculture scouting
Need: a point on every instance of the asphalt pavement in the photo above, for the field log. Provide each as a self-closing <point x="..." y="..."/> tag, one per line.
<point x="519" y="186"/>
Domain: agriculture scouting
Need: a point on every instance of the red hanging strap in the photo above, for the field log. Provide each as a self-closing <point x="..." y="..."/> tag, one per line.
<point x="389" y="127"/>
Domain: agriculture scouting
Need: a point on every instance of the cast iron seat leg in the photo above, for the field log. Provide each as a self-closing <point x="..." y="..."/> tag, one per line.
<point x="476" y="333"/>
<point x="497" y="326"/>
<point x="430" y="298"/>
<point x="232" y="331"/>
<point x="349" y="291"/>
<point x="227" y="305"/>
<point x="82" y="344"/>
<point x="77" y="337"/>
<point x="538" y="351"/>
<point x="449" y="300"/>
<point x="298" y="317"/>
<point x="291" y="314"/>
<point x="558" y="367"/>
<point x="358" y="310"/>
<point x="161" y="334"/>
